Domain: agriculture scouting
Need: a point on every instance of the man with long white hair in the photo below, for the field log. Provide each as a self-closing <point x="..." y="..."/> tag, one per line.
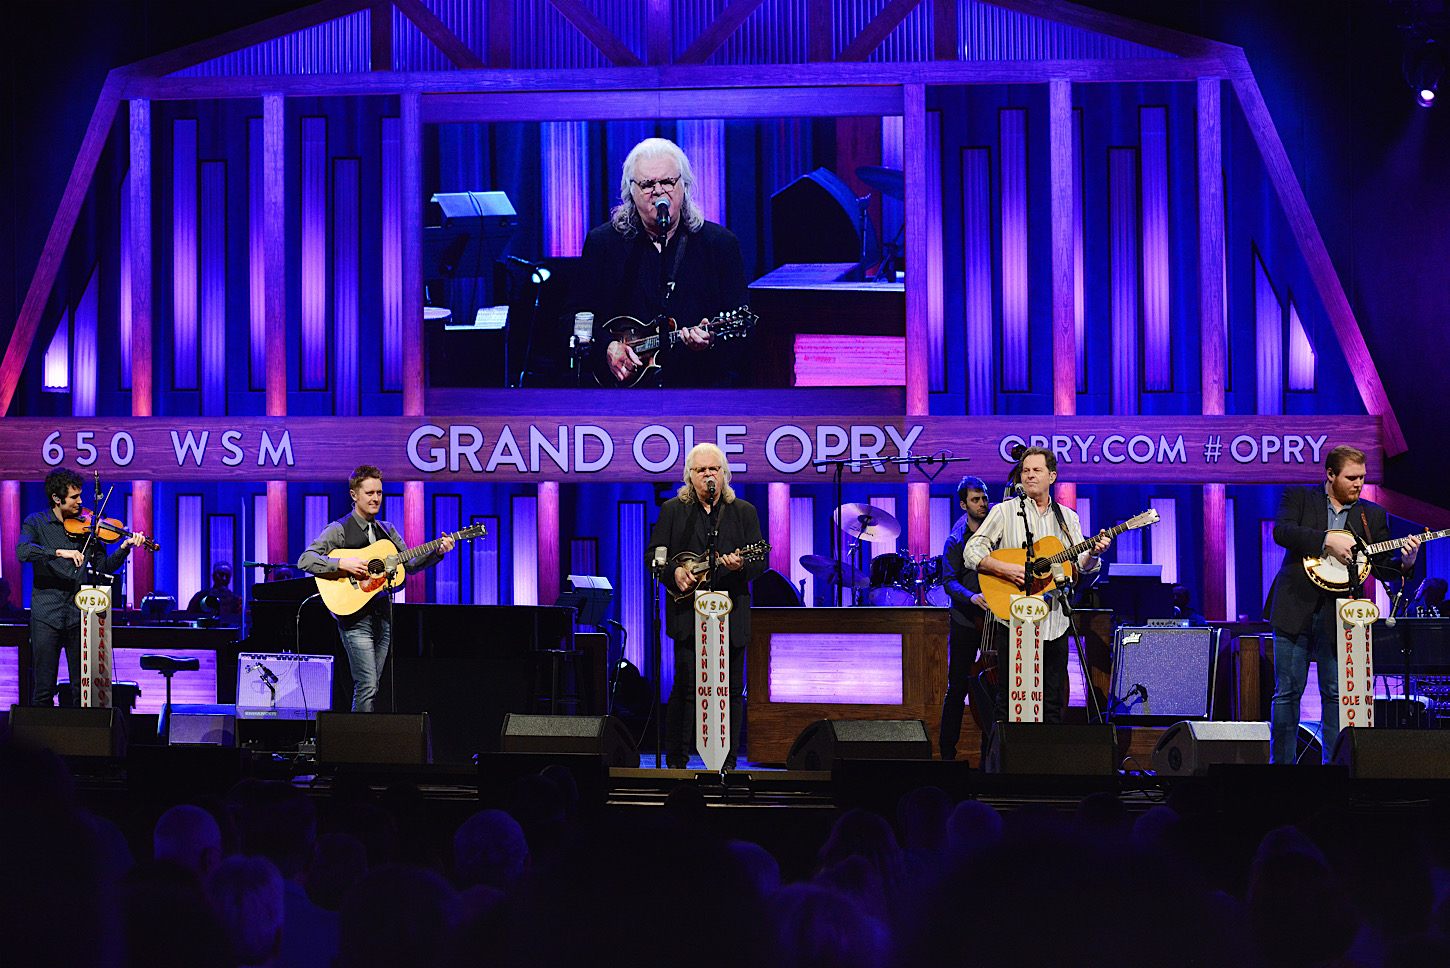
<point x="704" y="504"/>
<point x="657" y="258"/>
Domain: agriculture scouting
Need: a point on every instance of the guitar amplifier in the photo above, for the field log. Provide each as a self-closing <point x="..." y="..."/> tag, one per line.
<point x="1163" y="675"/>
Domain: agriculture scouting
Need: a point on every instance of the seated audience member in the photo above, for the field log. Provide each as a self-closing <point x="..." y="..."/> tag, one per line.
<point x="279" y="822"/>
<point x="816" y="926"/>
<point x="339" y="864"/>
<point x="246" y="894"/>
<point x="399" y="917"/>
<point x="489" y="850"/>
<point x="1298" y="912"/>
<point x="759" y="864"/>
<point x="189" y="836"/>
<point x="168" y="921"/>
<point x="973" y="826"/>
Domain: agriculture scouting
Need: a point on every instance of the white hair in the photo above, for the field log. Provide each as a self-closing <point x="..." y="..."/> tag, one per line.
<point x="184" y="834"/>
<point x="625" y="216"/>
<point x="686" y="492"/>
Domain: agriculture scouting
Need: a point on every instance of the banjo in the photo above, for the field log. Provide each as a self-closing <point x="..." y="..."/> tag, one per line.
<point x="1332" y="575"/>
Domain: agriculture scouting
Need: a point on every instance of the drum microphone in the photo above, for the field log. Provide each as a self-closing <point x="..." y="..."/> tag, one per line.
<point x="662" y="214"/>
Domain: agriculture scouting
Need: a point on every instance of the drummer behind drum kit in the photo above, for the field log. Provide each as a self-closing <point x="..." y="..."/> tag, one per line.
<point x="895" y="579"/>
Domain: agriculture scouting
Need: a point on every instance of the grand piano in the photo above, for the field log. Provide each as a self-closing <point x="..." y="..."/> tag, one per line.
<point x="464" y="665"/>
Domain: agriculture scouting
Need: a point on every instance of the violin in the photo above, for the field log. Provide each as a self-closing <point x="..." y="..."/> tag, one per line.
<point x="106" y="529"/>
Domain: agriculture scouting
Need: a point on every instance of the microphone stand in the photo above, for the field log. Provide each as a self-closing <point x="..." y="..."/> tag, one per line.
<point x="839" y="464"/>
<point x="1066" y="587"/>
<point x="657" y="654"/>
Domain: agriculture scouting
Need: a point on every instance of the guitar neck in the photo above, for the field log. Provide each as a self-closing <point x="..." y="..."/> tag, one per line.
<point x="1397" y="543"/>
<point x="1070" y="554"/>
<point x="426" y="549"/>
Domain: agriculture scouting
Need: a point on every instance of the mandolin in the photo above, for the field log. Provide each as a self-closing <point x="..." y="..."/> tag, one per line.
<point x="697" y="565"/>
<point x="649" y="340"/>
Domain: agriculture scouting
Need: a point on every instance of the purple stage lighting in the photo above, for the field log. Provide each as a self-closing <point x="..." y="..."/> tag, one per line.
<point x="1424" y="65"/>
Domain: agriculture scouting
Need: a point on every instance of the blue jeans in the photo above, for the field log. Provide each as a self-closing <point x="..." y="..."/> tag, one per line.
<point x="1291" y="674"/>
<point x="366" y="638"/>
<point x="46" y="644"/>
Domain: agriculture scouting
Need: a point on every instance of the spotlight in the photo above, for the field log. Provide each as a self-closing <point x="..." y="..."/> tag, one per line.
<point x="1425" y="62"/>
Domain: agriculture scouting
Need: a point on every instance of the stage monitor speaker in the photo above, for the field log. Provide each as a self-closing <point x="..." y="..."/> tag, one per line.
<point x="400" y="739"/>
<point x="604" y="735"/>
<point x="1379" y="754"/>
<point x="1189" y="747"/>
<point x="205" y="725"/>
<point x="69" y="730"/>
<point x="823" y="742"/>
<point x="823" y="201"/>
<point x="1174" y="668"/>
<point x="1052" y="748"/>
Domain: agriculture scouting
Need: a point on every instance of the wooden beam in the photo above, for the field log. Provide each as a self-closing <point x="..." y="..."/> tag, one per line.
<point x="277" y="543"/>
<point x="918" y="358"/>
<point x="10" y="519"/>
<point x="820" y="19"/>
<point x="1215" y="553"/>
<point x="381" y="24"/>
<point x="243" y="37"/>
<point x="56" y="241"/>
<point x="547" y="525"/>
<point x="777" y="521"/>
<point x="410" y="127"/>
<point x="877" y="30"/>
<point x="143" y="519"/>
<point x="437" y="32"/>
<point x="918" y="519"/>
<point x="500" y="34"/>
<point x="1062" y="179"/>
<point x="1113" y="25"/>
<point x="274" y="250"/>
<point x="596" y="33"/>
<point x="683" y="77"/>
<point x="1423" y="513"/>
<point x="1316" y="256"/>
<point x="1249" y="647"/>
<point x="847" y="103"/>
<point x="946" y="40"/>
<point x="142" y="278"/>
<point x="414" y="519"/>
<point x="657" y="32"/>
<point x="1212" y="328"/>
<point x="719" y="31"/>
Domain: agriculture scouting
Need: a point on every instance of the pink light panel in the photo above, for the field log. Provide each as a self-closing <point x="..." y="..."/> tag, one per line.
<point x="858" y="669"/>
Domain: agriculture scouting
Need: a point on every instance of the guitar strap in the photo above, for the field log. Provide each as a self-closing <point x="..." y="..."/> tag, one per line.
<point x="667" y="286"/>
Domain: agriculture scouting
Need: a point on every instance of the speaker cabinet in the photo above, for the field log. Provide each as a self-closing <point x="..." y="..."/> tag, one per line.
<point x="209" y="725"/>
<point x="1408" y="754"/>
<point x="823" y="742"/>
<point x="1052" y="748"/>
<point x="400" y="739"/>
<point x="603" y="735"/>
<point x="1188" y="748"/>
<point x="69" y="730"/>
<point x="1174" y="668"/>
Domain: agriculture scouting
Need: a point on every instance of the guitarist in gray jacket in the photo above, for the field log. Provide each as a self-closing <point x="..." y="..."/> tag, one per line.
<point x="705" y="502"/>
<point x="1320" y="521"/>
<point x="368" y="632"/>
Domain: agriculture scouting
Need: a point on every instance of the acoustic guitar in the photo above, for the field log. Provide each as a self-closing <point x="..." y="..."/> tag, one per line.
<point x="649" y="340"/>
<point x="1048" y="551"/>
<point x="343" y="594"/>
<point x="697" y="565"/>
<point x="1332" y="575"/>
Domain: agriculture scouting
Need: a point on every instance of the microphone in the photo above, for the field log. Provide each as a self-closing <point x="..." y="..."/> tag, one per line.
<point x="267" y="674"/>
<point x="662" y="214"/>
<point x="658" y="565"/>
<point x="1018" y="490"/>
<point x="98" y="490"/>
<point x="710" y="486"/>
<point x="583" y="329"/>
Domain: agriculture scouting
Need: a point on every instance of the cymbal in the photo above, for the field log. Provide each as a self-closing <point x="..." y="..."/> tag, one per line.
<point x="867" y="522"/>
<point x="887" y="181"/>
<point x="825" y="569"/>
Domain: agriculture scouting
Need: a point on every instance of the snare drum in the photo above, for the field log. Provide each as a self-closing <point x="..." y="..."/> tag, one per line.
<point x="892" y="580"/>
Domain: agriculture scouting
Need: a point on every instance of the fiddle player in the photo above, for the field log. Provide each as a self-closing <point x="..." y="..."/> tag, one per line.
<point x="55" y="556"/>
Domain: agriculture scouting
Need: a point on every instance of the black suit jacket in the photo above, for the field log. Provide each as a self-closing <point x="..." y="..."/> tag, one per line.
<point x="1299" y="528"/>
<point x="675" y="531"/>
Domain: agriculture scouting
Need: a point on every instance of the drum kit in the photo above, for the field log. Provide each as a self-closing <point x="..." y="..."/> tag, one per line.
<point x="895" y="579"/>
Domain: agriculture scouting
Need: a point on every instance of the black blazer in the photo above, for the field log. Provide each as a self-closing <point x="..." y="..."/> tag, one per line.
<point x="1299" y="528"/>
<point x="675" y="531"/>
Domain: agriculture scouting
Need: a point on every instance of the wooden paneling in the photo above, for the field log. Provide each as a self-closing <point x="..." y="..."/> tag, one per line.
<point x="877" y="30"/>
<point x="142" y="297"/>
<point x="795" y="102"/>
<point x="411" y="133"/>
<point x="774" y="726"/>
<point x="1064" y="291"/>
<point x="10" y="518"/>
<point x="248" y="36"/>
<point x="597" y="33"/>
<point x="436" y="31"/>
<point x="777" y="519"/>
<point x="53" y="252"/>
<point x="274" y="249"/>
<point x="413" y="535"/>
<point x="1212" y="329"/>
<point x="548" y="527"/>
<point x="718" y="32"/>
<point x="1215" y="553"/>
<point x="143" y="563"/>
<point x="918" y="298"/>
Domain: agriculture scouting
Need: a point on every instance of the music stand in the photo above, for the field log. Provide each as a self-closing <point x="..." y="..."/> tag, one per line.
<point x="589" y="596"/>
